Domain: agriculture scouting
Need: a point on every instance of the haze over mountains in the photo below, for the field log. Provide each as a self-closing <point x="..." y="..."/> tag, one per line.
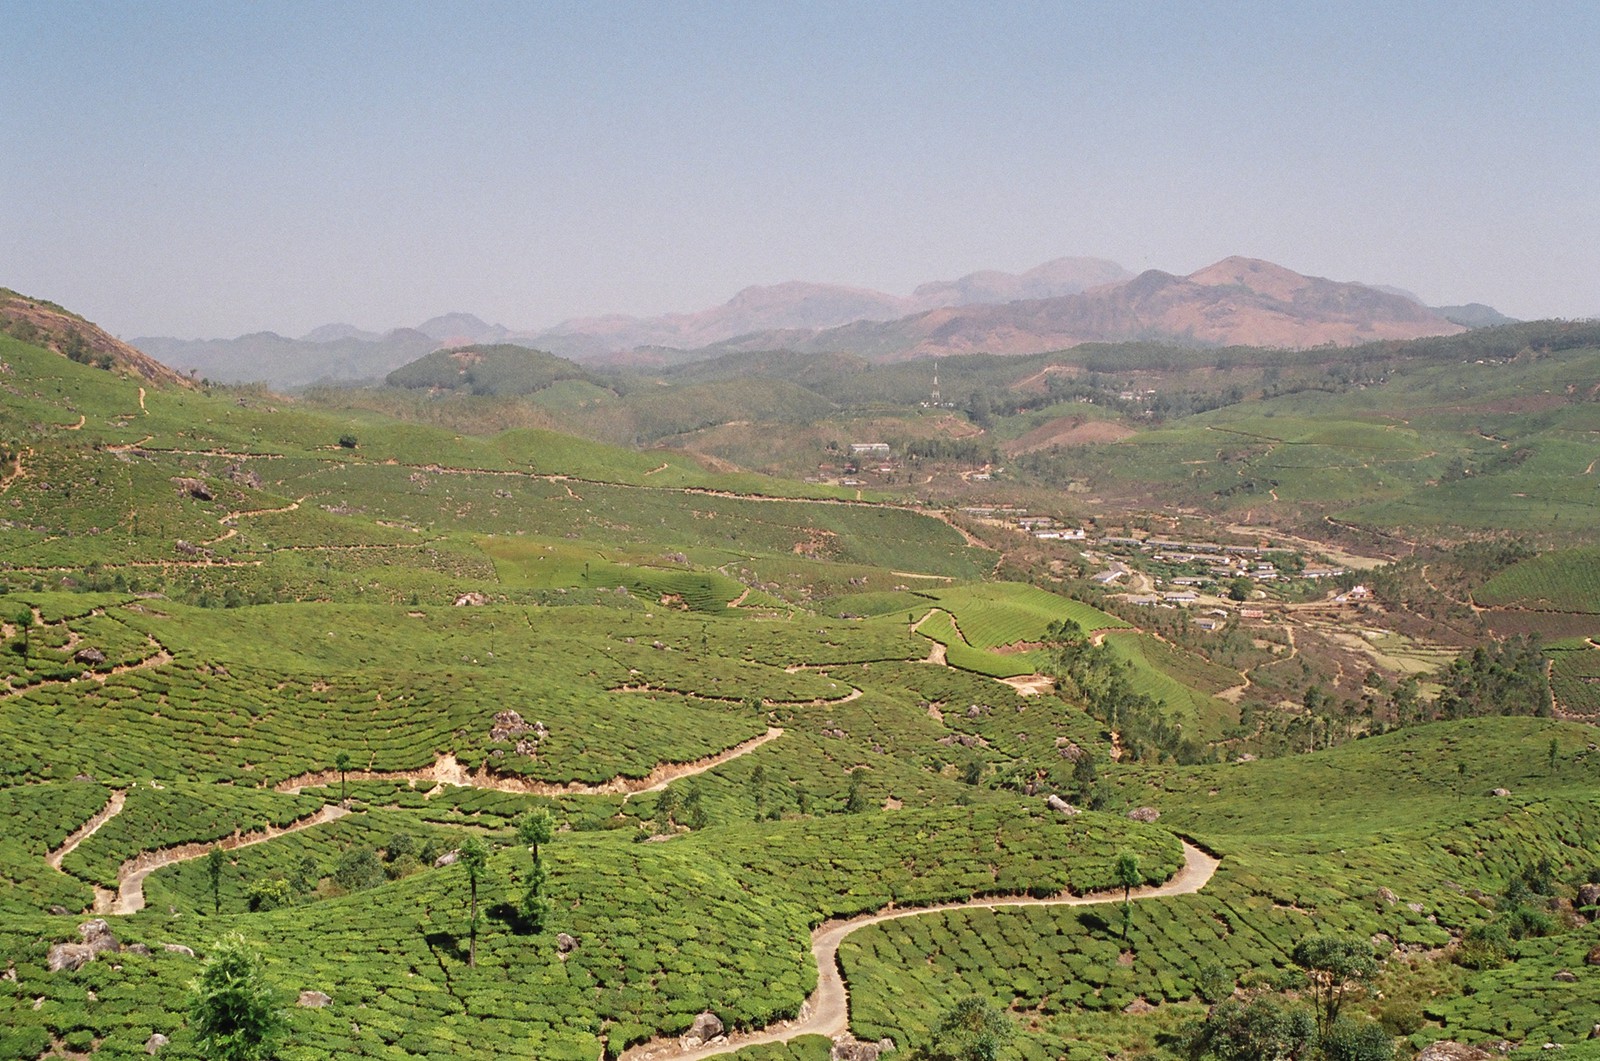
<point x="1062" y="303"/>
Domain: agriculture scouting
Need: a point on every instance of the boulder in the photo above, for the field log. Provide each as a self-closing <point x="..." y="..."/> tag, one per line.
<point x="706" y="1027"/>
<point x="509" y="725"/>
<point x="59" y="911"/>
<point x="1588" y="895"/>
<point x="1387" y="897"/>
<point x="69" y="957"/>
<point x="137" y="948"/>
<point x="566" y="944"/>
<point x="472" y="598"/>
<point x="155" y="1042"/>
<point x="313" y="999"/>
<point x="1144" y="814"/>
<point x="195" y="488"/>
<point x="1060" y="806"/>
<point x="97" y="936"/>
<point x="446" y="859"/>
<point x="178" y="948"/>
<point x="1501" y="792"/>
<point x="89" y="655"/>
<point x="1565" y="976"/>
<point x="846" y="1048"/>
<point x="1450" y="1050"/>
<point x="1593" y="957"/>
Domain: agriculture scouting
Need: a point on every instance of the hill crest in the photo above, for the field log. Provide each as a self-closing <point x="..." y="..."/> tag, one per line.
<point x="51" y="327"/>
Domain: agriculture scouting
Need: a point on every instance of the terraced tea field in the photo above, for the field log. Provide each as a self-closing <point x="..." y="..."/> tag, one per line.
<point x="337" y="650"/>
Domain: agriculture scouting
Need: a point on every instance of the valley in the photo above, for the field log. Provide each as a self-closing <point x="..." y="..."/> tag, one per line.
<point x="1094" y="685"/>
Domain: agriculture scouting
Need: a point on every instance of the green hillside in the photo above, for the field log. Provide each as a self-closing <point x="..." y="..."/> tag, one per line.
<point x="340" y="648"/>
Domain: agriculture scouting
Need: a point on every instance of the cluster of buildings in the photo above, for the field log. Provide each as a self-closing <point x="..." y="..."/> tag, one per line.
<point x="1045" y="528"/>
<point x="864" y="458"/>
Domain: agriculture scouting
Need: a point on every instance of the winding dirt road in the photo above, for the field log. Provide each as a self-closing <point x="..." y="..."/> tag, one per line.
<point x="129" y="896"/>
<point x="827" y="1011"/>
<point x="112" y="808"/>
<point x="447" y="770"/>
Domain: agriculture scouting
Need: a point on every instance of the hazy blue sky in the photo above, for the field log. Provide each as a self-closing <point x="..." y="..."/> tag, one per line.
<point x="210" y="168"/>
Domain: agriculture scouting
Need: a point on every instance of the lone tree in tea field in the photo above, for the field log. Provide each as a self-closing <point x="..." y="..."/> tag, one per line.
<point x="23" y="620"/>
<point x="214" y="861"/>
<point x="234" y="1011"/>
<point x="856" y="799"/>
<point x="534" y="828"/>
<point x="1331" y="963"/>
<point x="474" y="858"/>
<point x="341" y="763"/>
<point x="1128" y="877"/>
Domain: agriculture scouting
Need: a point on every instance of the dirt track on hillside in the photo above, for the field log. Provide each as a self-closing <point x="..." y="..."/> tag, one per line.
<point x="827" y="1011"/>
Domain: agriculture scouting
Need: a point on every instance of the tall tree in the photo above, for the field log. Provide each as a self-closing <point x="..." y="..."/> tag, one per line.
<point x="758" y="789"/>
<point x="234" y="1010"/>
<point x="534" y="828"/>
<point x="1331" y="964"/>
<point x="214" y="861"/>
<point x="341" y="762"/>
<point x="694" y="808"/>
<point x="856" y="800"/>
<point x="1128" y="876"/>
<point x="474" y="858"/>
<point x="24" y="623"/>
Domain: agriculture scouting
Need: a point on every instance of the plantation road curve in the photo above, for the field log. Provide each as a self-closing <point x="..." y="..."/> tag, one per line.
<point x="827" y="1011"/>
<point x="112" y="808"/>
<point x="129" y="896"/>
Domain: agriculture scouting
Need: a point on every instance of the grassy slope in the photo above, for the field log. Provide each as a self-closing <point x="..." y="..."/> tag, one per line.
<point x="360" y="554"/>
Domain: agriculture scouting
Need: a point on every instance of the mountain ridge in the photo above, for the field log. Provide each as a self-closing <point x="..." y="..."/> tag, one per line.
<point x="1060" y="303"/>
<point x="1234" y="302"/>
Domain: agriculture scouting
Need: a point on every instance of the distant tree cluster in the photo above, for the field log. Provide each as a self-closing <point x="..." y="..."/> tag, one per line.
<point x="1103" y="681"/>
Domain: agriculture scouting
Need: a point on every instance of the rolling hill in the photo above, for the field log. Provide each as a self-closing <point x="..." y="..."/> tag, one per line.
<point x="342" y="650"/>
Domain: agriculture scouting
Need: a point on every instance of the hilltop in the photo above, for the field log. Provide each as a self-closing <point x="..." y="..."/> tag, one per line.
<point x="48" y="325"/>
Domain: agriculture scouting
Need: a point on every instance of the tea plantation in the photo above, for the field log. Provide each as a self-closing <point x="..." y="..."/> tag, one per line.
<point x="284" y="670"/>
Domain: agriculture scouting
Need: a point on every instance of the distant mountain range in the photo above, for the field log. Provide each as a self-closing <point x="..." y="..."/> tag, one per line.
<point x="805" y="307"/>
<point x="1238" y="301"/>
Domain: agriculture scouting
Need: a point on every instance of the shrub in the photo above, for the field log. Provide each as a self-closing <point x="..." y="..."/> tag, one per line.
<point x="234" y="1011"/>
<point x="269" y="894"/>
<point x="358" y="868"/>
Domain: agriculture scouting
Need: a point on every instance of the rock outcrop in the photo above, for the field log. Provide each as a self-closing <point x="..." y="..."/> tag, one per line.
<point x="706" y="1027"/>
<point x="1061" y="806"/>
<point x="97" y="939"/>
